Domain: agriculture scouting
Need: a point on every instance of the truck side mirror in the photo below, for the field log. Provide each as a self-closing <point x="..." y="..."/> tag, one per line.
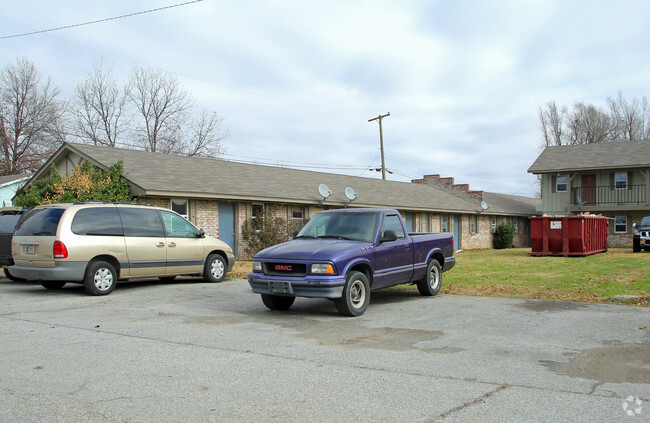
<point x="294" y="234"/>
<point x="200" y="233"/>
<point x="388" y="236"/>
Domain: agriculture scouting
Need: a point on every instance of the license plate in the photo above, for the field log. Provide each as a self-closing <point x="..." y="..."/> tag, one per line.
<point x="280" y="287"/>
<point x="30" y="249"/>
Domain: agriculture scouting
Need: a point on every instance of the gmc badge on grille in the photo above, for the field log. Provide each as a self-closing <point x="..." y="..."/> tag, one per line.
<point x="283" y="268"/>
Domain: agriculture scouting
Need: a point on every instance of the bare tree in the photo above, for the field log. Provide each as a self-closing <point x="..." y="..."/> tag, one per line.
<point x="205" y="136"/>
<point x="552" y="123"/>
<point x="30" y="118"/>
<point x="628" y="119"/>
<point x="99" y="107"/>
<point x="588" y="124"/>
<point x="164" y="107"/>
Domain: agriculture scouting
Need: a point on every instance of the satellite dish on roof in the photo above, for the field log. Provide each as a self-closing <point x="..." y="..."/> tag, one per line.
<point x="324" y="191"/>
<point x="351" y="194"/>
<point x="484" y="206"/>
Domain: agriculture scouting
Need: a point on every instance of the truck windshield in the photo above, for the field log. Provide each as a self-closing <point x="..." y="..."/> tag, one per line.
<point x="352" y="226"/>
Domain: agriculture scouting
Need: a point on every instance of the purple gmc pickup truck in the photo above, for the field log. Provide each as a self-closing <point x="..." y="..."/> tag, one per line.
<point x="344" y="254"/>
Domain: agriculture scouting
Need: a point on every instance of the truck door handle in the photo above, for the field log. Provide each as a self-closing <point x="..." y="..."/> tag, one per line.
<point x="160" y="244"/>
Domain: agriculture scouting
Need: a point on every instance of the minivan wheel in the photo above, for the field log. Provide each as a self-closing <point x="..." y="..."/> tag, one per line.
<point x="100" y="278"/>
<point x="215" y="268"/>
<point x="12" y="277"/>
<point x="53" y="284"/>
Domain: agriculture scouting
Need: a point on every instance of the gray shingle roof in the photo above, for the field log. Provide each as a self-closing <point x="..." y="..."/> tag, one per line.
<point x="13" y="178"/>
<point x="511" y="204"/>
<point x="611" y="155"/>
<point x="164" y="174"/>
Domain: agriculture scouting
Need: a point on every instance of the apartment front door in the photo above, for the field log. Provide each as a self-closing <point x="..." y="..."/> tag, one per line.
<point x="589" y="190"/>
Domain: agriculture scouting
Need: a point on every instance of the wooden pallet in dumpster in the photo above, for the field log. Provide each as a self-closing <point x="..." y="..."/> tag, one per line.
<point x="568" y="235"/>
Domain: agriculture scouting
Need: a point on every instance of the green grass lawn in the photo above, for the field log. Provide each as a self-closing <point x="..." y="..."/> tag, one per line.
<point x="513" y="273"/>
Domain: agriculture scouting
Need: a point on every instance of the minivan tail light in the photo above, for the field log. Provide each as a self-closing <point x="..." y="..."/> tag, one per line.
<point x="59" y="250"/>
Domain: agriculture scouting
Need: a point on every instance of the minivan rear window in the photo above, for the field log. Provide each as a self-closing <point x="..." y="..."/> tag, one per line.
<point x="97" y="221"/>
<point x="40" y="222"/>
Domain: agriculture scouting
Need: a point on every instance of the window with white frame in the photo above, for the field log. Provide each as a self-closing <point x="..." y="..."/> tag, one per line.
<point x="620" y="180"/>
<point x="493" y="224"/>
<point x="424" y="222"/>
<point x="445" y="223"/>
<point x="515" y="224"/>
<point x="620" y="224"/>
<point x="473" y="224"/>
<point x="561" y="183"/>
<point x="180" y="207"/>
<point x="257" y="217"/>
<point x="297" y="218"/>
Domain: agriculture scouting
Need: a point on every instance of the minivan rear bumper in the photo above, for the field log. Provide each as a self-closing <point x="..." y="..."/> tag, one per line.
<point x="63" y="271"/>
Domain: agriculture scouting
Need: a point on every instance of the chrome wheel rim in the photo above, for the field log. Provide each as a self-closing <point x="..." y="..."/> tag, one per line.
<point x="217" y="268"/>
<point x="103" y="279"/>
<point x="434" y="277"/>
<point x="357" y="294"/>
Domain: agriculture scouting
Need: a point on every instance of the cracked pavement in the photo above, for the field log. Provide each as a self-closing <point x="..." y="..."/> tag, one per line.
<point x="193" y="351"/>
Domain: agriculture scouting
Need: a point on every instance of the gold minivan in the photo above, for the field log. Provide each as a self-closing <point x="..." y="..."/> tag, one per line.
<point x="98" y="244"/>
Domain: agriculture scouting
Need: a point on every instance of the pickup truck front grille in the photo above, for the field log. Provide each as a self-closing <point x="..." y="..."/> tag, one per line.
<point x="285" y="269"/>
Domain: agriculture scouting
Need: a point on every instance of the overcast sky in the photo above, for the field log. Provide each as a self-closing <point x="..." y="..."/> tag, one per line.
<point x="297" y="81"/>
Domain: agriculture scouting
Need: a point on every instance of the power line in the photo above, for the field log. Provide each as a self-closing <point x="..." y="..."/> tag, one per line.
<point x="128" y="15"/>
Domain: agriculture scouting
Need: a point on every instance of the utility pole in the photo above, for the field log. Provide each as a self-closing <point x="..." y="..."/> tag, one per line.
<point x="381" y="143"/>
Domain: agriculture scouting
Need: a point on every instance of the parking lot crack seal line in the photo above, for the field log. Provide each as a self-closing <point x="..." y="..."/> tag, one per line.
<point x="482" y="398"/>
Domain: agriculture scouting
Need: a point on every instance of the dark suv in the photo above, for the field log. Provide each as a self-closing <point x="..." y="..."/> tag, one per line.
<point x="9" y="218"/>
<point x="641" y="237"/>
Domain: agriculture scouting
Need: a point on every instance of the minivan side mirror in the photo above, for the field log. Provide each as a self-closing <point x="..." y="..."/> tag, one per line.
<point x="200" y="233"/>
<point x="634" y="225"/>
<point x="388" y="236"/>
<point x="294" y="234"/>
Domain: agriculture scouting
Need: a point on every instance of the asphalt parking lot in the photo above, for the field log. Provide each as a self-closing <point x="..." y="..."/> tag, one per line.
<point x="193" y="351"/>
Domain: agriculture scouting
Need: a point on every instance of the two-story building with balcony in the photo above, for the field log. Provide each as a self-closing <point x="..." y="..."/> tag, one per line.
<point x="609" y="179"/>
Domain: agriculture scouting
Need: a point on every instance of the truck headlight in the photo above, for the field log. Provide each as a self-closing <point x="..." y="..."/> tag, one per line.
<point x="322" y="268"/>
<point x="257" y="266"/>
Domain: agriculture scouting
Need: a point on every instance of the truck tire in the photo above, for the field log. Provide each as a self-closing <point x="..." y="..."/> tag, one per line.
<point x="215" y="268"/>
<point x="356" y="295"/>
<point x="430" y="284"/>
<point x="277" y="302"/>
<point x="100" y="278"/>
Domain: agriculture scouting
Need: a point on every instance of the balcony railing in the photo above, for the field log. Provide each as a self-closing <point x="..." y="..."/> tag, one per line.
<point x="608" y="195"/>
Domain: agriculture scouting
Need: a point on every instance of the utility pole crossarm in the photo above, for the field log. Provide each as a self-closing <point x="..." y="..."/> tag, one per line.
<point x="381" y="143"/>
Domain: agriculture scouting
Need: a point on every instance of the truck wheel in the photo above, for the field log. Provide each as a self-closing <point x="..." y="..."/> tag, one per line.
<point x="53" y="284"/>
<point x="100" y="278"/>
<point x="277" y="302"/>
<point x="430" y="284"/>
<point x="215" y="268"/>
<point x="356" y="295"/>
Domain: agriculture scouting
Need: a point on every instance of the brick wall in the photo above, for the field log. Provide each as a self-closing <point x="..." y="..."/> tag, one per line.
<point x="206" y="215"/>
